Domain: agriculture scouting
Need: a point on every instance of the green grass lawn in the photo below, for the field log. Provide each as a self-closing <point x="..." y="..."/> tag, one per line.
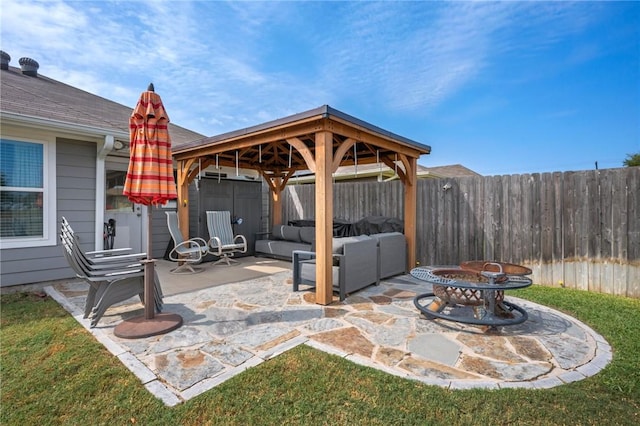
<point x="54" y="372"/>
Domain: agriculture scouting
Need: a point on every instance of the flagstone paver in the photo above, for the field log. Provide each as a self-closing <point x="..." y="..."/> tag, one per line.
<point x="232" y="327"/>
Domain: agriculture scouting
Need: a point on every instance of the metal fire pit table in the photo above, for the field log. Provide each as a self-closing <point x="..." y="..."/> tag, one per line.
<point x="481" y="290"/>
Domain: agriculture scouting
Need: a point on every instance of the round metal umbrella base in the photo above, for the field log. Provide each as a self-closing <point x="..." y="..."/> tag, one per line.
<point x="140" y="327"/>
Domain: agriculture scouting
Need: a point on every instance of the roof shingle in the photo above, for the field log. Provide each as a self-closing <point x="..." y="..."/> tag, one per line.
<point x="44" y="98"/>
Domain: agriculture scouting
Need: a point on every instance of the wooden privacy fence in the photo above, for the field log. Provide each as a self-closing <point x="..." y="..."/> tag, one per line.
<point x="575" y="229"/>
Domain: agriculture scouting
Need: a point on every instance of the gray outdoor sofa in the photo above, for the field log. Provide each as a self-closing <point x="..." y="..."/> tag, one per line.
<point x="284" y="239"/>
<point x="392" y="247"/>
<point x="357" y="262"/>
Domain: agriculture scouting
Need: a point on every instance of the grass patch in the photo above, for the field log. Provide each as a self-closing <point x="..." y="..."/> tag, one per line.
<point x="54" y="372"/>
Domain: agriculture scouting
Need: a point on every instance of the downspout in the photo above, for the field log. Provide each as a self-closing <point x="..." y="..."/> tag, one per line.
<point x="103" y="152"/>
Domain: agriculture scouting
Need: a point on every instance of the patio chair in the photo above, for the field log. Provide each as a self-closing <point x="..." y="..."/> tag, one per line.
<point x="186" y="252"/>
<point x="112" y="279"/>
<point x="355" y="265"/>
<point x="222" y="241"/>
<point x="97" y="260"/>
<point x="104" y="273"/>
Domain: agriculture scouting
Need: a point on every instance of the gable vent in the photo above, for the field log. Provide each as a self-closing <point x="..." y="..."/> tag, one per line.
<point x="4" y="60"/>
<point x="29" y="66"/>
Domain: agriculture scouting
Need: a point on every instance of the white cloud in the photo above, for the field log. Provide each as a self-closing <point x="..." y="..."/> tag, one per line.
<point x="213" y="61"/>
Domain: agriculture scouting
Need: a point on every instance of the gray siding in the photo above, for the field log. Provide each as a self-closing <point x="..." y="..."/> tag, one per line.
<point x="76" y="181"/>
<point x="160" y="232"/>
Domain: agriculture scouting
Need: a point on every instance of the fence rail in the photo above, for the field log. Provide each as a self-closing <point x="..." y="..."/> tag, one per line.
<point x="575" y="229"/>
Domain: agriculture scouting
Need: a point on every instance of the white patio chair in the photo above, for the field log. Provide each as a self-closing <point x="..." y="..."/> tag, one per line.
<point x="222" y="241"/>
<point x="186" y="252"/>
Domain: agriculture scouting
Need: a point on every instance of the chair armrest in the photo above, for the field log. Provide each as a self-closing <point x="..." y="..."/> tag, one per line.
<point x="243" y="240"/>
<point x="113" y="276"/>
<point x="119" y="258"/>
<point x="197" y="246"/>
<point x="100" y="266"/>
<point x="114" y="273"/>
<point x="215" y="246"/>
<point x="110" y="252"/>
<point x="299" y="255"/>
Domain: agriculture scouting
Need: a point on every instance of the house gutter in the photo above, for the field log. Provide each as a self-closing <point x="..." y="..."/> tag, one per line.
<point x="104" y="148"/>
<point x="80" y="129"/>
<point x="101" y="187"/>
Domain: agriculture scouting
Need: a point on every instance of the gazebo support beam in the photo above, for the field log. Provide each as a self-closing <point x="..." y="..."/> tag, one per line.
<point x="276" y="186"/>
<point x="410" y="208"/>
<point x="324" y="217"/>
<point x="184" y="167"/>
<point x="276" y="201"/>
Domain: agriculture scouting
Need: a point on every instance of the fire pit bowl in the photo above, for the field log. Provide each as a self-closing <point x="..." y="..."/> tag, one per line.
<point x="493" y="266"/>
<point x="453" y="294"/>
<point x="482" y="290"/>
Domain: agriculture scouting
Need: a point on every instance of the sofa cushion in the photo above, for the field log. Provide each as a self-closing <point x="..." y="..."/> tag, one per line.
<point x="384" y="235"/>
<point x="291" y="233"/>
<point x="280" y="248"/>
<point x="308" y="272"/>
<point x="307" y="234"/>
<point x="276" y="232"/>
<point x="338" y="243"/>
<point x="393" y="253"/>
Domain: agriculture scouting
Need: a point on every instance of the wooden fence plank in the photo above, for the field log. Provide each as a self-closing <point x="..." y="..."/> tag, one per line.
<point x="606" y="214"/>
<point x="558" y="254"/>
<point x="581" y="228"/>
<point x="633" y="207"/>
<point x="536" y="214"/>
<point x="465" y="230"/>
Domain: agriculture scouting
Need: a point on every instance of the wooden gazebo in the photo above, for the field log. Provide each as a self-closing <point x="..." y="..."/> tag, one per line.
<point x="319" y="140"/>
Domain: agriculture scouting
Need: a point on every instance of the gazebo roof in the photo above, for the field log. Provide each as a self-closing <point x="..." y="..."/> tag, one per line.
<point x="279" y="147"/>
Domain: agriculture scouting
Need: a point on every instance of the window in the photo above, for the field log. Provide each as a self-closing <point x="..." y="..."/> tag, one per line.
<point x="27" y="213"/>
<point x="116" y="201"/>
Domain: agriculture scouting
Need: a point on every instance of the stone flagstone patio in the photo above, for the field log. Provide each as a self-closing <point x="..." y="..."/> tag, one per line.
<point x="232" y="327"/>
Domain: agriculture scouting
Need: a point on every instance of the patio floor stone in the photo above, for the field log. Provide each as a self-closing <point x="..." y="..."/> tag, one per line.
<point x="231" y="327"/>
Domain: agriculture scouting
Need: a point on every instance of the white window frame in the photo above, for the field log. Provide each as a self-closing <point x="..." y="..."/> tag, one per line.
<point x="49" y="196"/>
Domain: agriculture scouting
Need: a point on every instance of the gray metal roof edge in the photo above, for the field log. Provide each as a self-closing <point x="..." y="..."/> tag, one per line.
<point x="369" y="126"/>
<point x="13" y="117"/>
<point x="324" y="110"/>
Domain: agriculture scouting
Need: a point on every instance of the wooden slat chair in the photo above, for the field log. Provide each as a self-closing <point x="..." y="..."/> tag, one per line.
<point x="222" y="242"/>
<point x="112" y="279"/>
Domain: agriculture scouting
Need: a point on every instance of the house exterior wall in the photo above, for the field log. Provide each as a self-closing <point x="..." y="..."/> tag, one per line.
<point x="75" y="196"/>
<point x="159" y="231"/>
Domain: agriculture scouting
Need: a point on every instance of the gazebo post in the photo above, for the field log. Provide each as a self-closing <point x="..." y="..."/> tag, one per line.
<point x="183" y="196"/>
<point x="410" y="209"/>
<point x="324" y="217"/>
<point x="276" y="202"/>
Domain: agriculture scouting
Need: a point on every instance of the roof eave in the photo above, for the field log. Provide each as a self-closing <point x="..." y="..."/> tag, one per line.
<point x="21" y="119"/>
<point x="323" y="112"/>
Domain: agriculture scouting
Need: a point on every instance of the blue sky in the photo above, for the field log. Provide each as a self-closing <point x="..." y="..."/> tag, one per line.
<point x="499" y="87"/>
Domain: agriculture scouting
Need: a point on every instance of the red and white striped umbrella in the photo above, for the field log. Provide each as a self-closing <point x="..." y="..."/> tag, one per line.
<point x="150" y="175"/>
<point x="150" y="182"/>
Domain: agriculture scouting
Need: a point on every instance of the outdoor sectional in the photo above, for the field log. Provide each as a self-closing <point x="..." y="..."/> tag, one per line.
<point x="357" y="262"/>
<point x="284" y="239"/>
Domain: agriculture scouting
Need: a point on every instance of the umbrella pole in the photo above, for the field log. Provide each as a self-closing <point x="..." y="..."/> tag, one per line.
<point x="149" y="296"/>
<point x="148" y="324"/>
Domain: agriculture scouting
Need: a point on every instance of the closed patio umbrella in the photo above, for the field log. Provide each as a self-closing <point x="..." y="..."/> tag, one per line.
<point x="149" y="182"/>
